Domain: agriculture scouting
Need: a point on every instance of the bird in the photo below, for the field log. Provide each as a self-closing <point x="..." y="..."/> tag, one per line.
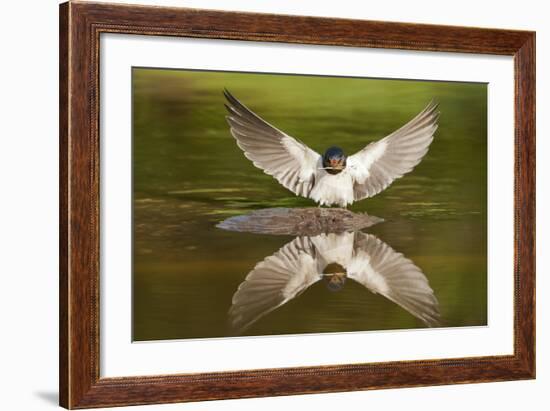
<point x="332" y="178"/>
<point x="334" y="258"/>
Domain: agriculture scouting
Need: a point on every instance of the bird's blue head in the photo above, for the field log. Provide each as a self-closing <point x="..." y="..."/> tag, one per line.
<point x="335" y="282"/>
<point x="334" y="276"/>
<point x="334" y="160"/>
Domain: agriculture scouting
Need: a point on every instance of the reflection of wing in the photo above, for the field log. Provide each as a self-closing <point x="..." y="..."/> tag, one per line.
<point x="377" y="165"/>
<point x="274" y="281"/>
<point x="290" y="161"/>
<point x="384" y="271"/>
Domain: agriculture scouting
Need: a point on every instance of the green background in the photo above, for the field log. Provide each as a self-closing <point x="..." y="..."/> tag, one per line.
<point x="189" y="175"/>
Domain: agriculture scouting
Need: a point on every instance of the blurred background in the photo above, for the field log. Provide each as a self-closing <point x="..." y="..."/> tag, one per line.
<point x="189" y="175"/>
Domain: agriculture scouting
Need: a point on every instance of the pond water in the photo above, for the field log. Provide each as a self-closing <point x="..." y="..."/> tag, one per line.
<point x="189" y="175"/>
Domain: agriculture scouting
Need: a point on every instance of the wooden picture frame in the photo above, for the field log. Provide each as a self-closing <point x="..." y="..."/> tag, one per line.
<point x="80" y="27"/>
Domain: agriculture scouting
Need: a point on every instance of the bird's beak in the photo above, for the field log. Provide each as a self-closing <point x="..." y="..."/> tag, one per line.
<point x="336" y="281"/>
<point x="337" y="164"/>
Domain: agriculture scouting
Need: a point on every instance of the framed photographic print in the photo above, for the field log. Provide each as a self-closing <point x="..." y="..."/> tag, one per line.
<point x="256" y="205"/>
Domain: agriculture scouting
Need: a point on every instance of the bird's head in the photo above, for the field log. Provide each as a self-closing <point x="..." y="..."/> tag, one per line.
<point x="335" y="282"/>
<point x="335" y="276"/>
<point x="334" y="160"/>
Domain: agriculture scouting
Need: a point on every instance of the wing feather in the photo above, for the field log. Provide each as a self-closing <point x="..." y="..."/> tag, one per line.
<point x="384" y="271"/>
<point x="273" y="282"/>
<point x="376" y="166"/>
<point x="288" y="160"/>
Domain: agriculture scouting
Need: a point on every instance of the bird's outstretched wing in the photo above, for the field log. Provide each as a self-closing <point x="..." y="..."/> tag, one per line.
<point x="290" y="161"/>
<point x="381" y="162"/>
<point x="273" y="282"/>
<point x="384" y="271"/>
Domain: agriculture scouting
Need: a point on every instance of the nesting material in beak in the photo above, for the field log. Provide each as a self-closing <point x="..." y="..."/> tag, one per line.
<point x="335" y="276"/>
<point x="337" y="164"/>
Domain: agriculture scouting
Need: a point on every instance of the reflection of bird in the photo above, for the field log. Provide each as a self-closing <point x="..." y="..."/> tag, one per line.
<point x="304" y="261"/>
<point x="332" y="178"/>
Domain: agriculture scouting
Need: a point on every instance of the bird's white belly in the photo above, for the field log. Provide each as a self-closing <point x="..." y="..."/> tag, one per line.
<point x="332" y="189"/>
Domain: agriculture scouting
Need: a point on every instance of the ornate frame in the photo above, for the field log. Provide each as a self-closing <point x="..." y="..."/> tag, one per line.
<point x="80" y="27"/>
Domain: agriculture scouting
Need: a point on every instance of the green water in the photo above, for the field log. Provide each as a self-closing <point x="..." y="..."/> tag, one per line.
<point x="189" y="175"/>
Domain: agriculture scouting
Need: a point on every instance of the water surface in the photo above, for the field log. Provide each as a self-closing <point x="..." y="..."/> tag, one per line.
<point x="189" y="175"/>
